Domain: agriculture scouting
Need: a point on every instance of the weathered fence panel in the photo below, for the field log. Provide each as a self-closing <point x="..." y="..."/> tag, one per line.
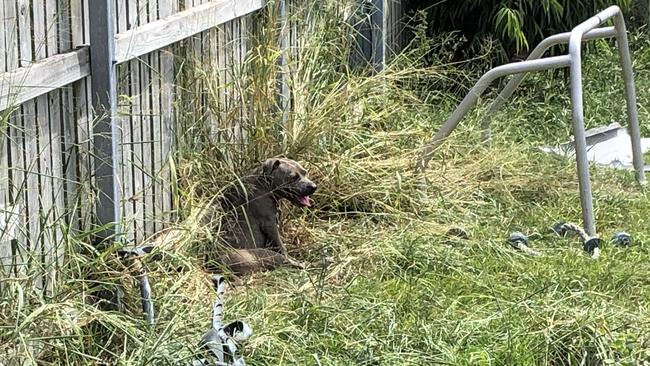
<point x="381" y="32"/>
<point x="40" y="152"/>
<point x="48" y="186"/>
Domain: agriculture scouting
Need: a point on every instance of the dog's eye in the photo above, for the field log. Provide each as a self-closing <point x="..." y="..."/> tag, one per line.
<point x="294" y="176"/>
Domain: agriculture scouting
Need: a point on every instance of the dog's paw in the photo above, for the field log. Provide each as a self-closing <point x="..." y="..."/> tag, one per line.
<point x="295" y="263"/>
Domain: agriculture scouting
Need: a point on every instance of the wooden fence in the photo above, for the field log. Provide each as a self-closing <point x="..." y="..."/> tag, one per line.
<point x="63" y="160"/>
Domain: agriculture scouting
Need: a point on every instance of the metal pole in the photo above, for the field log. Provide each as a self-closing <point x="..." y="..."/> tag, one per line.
<point x="378" y="26"/>
<point x="105" y="131"/>
<point x="580" y="140"/>
<point x="630" y="94"/>
<point x="285" y="91"/>
<point x="537" y="52"/>
<point x="472" y="97"/>
<point x="574" y="61"/>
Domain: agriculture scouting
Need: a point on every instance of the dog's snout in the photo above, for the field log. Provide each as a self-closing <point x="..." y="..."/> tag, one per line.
<point x="311" y="188"/>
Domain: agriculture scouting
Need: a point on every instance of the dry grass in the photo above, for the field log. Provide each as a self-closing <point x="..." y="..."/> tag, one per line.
<point x="386" y="285"/>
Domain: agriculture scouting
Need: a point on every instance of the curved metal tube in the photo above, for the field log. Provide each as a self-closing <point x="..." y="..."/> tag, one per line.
<point x="582" y="162"/>
<point x="536" y="53"/>
<point x="472" y="97"/>
<point x="584" y="31"/>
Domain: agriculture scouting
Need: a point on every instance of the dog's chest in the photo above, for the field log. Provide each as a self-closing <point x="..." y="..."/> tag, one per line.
<point x="256" y="224"/>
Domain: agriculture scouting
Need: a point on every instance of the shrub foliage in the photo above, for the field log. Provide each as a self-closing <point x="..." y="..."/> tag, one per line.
<point x="515" y="25"/>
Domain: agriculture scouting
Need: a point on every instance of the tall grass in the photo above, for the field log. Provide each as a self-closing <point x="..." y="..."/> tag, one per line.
<point x="386" y="285"/>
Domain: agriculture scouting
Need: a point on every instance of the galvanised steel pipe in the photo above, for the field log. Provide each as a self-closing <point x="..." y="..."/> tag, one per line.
<point x="580" y="141"/>
<point x="537" y="52"/>
<point x="472" y="97"/>
<point x="585" y="30"/>
<point x="630" y="94"/>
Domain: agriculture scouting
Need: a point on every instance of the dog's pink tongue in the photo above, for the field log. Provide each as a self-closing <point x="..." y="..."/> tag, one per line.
<point x="304" y="200"/>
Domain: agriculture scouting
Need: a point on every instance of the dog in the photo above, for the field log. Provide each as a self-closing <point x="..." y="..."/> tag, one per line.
<point x="251" y="208"/>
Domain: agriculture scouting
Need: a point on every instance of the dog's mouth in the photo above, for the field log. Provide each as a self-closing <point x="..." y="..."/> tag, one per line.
<point x="302" y="201"/>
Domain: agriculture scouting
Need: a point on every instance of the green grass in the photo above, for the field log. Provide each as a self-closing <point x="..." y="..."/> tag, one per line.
<point x="386" y="286"/>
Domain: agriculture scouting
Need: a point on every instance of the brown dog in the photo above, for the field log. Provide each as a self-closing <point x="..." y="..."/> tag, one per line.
<point x="251" y="208"/>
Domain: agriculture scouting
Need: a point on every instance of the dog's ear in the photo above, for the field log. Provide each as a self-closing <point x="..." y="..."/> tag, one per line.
<point x="270" y="165"/>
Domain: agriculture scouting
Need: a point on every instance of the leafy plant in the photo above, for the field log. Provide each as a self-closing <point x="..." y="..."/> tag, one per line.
<point x="516" y="25"/>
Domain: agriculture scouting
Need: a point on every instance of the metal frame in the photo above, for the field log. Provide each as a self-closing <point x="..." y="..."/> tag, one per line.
<point x="285" y="44"/>
<point x="587" y="30"/>
<point x="378" y="29"/>
<point x="105" y="130"/>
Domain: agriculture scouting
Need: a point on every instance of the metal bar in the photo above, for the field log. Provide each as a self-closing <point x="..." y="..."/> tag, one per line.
<point x="582" y="32"/>
<point x="145" y="294"/>
<point x="472" y="97"/>
<point x="378" y="26"/>
<point x="105" y="132"/>
<point x="538" y="52"/>
<point x="630" y="95"/>
<point x="364" y="36"/>
<point x="580" y="141"/>
<point x="285" y="90"/>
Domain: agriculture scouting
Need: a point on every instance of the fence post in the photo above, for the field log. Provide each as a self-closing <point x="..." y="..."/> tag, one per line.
<point x="285" y="91"/>
<point x="378" y="28"/>
<point x="105" y="131"/>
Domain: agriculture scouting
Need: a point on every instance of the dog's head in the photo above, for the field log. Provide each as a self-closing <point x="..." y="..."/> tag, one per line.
<point x="289" y="180"/>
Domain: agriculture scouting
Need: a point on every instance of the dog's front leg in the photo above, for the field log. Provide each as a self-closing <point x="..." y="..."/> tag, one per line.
<point x="273" y="235"/>
<point x="273" y="239"/>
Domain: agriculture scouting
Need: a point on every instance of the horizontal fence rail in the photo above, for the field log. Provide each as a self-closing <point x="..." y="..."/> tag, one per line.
<point x="161" y="33"/>
<point x="42" y="77"/>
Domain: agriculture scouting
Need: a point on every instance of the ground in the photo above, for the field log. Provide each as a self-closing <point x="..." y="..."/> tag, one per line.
<point x="386" y="286"/>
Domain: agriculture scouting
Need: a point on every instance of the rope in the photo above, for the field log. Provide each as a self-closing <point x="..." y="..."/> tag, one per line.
<point x="519" y="241"/>
<point x="591" y="244"/>
<point x="222" y="340"/>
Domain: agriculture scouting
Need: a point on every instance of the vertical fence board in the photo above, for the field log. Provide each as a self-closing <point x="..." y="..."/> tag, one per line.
<point x="68" y="144"/>
<point x="229" y="82"/>
<point x="11" y="35"/>
<point x="16" y="168"/>
<point x="43" y="167"/>
<point x="125" y="18"/>
<point x="18" y="192"/>
<point x="285" y="88"/>
<point x="144" y="129"/>
<point x="80" y="116"/>
<point x="221" y="81"/>
<point x="236" y="60"/>
<point x="54" y="257"/>
<point x="145" y="142"/>
<point x="24" y="119"/>
<point x="5" y="239"/>
<point x="243" y="48"/>
<point x="156" y="127"/>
